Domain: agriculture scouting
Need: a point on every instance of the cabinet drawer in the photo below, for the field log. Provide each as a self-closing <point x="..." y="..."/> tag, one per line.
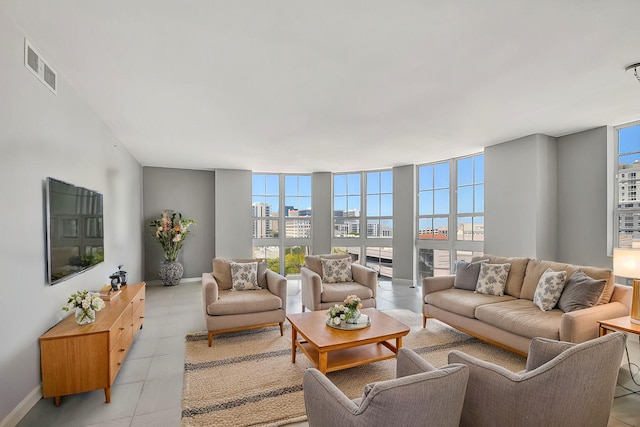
<point x="119" y="352"/>
<point x="115" y="333"/>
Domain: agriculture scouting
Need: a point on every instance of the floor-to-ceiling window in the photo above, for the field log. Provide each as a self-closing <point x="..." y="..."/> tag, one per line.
<point x="627" y="196"/>
<point x="371" y="193"/>
<point x="450" y="223"/>
<point x="281" y="206"/>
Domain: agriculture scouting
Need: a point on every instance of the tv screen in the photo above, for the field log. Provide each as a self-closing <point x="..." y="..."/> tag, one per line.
<point x="74" y="227"/>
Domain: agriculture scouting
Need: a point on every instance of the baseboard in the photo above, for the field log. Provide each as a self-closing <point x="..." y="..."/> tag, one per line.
<point x="158" y="282"/>
<point x="22" y="408"/>
<point x="404" y="282"/>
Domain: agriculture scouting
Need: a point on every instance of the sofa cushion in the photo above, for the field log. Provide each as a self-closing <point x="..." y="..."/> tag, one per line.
<point x="244" y="276"/>
<point x="313" y="263"/>
<point x="581" y="291"/>
<point x="467" y="275"/>
<point x="522" y="317"/>
<point x="492" y="278"/>
<point x="230" y="302"/>
<point x="222" y="271"/>
<point x="549" y="289"/>
<point x="336" y="270"/>
<point x="516" y="271"/>
<point x="461" y="301"/>
<point x="535" y="268"/>
<point x="332" y="292"/>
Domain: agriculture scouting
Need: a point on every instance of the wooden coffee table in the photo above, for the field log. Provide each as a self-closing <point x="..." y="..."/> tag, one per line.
<point x="331" y="349"/>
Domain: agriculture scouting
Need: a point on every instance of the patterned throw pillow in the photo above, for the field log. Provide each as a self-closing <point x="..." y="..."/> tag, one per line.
<point x="244" y="276"/>
<point x="549" y="289"/>
<point x="492" y="279"/>
<point x="336" y="270"/>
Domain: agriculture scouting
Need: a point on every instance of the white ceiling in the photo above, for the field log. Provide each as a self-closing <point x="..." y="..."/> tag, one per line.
<point x="335" y="85"/>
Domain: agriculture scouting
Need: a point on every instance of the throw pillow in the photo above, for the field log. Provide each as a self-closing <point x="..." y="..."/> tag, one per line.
<point x="336" y="270"/>
<point x="492" y="279"/>
<point x="244" y="276"/>
<point x="581" y="291"/>
<point x="549" y="289"/>
<point x="467" y="275"/>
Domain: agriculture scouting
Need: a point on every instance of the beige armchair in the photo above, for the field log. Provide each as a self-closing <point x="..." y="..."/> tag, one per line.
<point x="564" y="384"/>
<point x="420" y="395"/>
<point x="228" y="310"/>
<point x="317" y="294"/>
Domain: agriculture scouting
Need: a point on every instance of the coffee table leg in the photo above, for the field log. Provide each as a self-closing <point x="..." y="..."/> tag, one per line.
<point x="322" y="362"/>
<point x="294" y="337"/>
<point x="398" y="343"/>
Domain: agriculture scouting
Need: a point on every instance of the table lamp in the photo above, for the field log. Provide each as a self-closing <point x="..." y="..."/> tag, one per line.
<point x="626" y="263"/>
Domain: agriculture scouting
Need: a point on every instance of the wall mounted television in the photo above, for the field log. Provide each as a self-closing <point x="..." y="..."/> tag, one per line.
<point x="74" y="230"/>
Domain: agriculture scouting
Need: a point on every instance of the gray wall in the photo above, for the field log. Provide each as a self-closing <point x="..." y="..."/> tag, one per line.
<point x="582" y="237"/>
<point x="552" y="194"/>
<point x="521" y="198"/>
<point x="42" y="135"/>
<point x="404" y="224"/>
<point x="190" y="192"/>
<point x="233" y="227"/>
<point x="322" y="214"/>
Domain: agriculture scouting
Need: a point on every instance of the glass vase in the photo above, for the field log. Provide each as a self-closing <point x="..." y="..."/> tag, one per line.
<point x="84" y="317"/>
<point x="355" y="315"/>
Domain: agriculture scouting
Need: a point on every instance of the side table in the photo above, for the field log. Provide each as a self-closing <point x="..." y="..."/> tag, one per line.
<point x="618" y="324"/>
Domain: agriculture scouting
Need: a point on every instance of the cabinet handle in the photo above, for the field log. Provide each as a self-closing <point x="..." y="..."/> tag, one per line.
<point x="121" y="350"/>
<point x="122" y="329"/>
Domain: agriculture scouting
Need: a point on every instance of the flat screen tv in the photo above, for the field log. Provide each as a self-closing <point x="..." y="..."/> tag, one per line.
<point x="74" y="230"/>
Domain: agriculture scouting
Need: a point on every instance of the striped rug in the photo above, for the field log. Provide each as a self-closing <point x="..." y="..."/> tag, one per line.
<point x="247" y="378"/>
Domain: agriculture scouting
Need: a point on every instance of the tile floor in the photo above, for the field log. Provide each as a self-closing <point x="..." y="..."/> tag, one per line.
<point x="148" y="389"/>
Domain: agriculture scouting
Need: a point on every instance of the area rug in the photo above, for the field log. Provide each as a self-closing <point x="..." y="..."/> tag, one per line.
<point x="247" y="378"/>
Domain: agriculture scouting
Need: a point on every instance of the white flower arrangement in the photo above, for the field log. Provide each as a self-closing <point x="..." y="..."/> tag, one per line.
<point x="343" y="312"/>
<point x="88" y="302"/>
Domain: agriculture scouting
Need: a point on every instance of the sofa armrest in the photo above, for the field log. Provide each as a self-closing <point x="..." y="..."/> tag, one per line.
<point x="408" y="362"/>
<point x="622" y="294"/>
<point x="277" y="285"/>
<point x="311" y="284"/>
<point x="365" y="276"/>
<point x="582" y="325"/>
<point x="209" y="290"/>
<point x="435" y="284"/>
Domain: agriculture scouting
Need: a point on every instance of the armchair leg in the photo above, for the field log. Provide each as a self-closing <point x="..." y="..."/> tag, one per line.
<point x="281" y="329"/>
<point x="303" y="308"/>
<point x="210" y="338"/>
<point x="424" y="321"/>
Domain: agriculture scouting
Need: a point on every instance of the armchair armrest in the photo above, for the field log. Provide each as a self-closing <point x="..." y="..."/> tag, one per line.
<point x="311" y="288"/>
<point x="542" y="350"/>
<point x="277" y="285"/>
<point x="324" y="401"/>
<point x="409" y="362"/>
<point x="435" y="284"/>
<point x="365" y="276"/>
<point x="209" y="289"/>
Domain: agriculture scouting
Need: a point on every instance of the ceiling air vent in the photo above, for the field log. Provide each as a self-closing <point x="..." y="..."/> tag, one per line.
<point x="39" y="67"/>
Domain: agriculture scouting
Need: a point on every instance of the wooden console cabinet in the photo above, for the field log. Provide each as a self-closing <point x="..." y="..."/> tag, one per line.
<point x="76" y="359"/>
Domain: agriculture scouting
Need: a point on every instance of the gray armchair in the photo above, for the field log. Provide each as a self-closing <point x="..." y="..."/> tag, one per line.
<point x="420" y="395"/>
<point x="564" y="384"/>
<point x="226" y="310"/>
<point x="317" y="295"/>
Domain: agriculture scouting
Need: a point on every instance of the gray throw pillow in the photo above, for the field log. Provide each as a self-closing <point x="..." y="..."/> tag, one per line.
<point x="467" y="275"/>
<point x="581" y="291"/>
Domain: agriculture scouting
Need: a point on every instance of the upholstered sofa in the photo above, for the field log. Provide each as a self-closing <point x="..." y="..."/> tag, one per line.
<point x="320" y="293"/>
<point x="230" y="306"/>
<point x="511" y="319"/>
